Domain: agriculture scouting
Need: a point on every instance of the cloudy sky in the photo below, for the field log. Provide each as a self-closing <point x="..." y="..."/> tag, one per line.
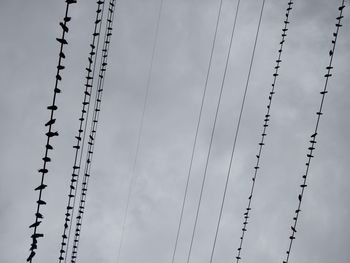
<point x="29" y="52"/>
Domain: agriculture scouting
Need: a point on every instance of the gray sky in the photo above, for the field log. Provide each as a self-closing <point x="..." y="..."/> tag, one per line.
<point x="28" y="53"/>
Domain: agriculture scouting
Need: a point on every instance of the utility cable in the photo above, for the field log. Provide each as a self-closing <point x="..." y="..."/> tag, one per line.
<point x="93" y="130"/>
<point x="50" y="134"/>
<point x="315" y="133"/>
<point x="265" y="125"/>
<point x="197" y="131"/>
<point x="79" y="147"/>
<point x="140" y="131"/>
<point x="237" y="129"/>
<point x="212" y="137"/>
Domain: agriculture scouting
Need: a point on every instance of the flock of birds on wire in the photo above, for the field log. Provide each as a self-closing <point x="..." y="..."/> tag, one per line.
<point x="83" y="138"/>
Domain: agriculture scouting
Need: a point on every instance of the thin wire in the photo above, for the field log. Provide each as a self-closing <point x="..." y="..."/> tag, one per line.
<point x="49" y="135"/>
<point x="212" y="137"/>
<point x="197" y="131"/>
<point x="314" y="135"/>
<point x="85" y="111"/>
<point x="140" y="131"/>
<point x="87" y="117"/>
<point x="237" y="129"/>
<point x="263" y="135"/>
<point x="93" y="130"/>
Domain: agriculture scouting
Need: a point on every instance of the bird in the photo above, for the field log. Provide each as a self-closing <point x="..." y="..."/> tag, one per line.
<point x="341" y="8"/>
<point x="64" y="27"/>
<point x="49" y="147"/>
<point x="67" y="19"/>
<point x="313" y="135"/>
<point x="41" y="202"/>
<point x="32" y="254"/>
<point x="51" y="134"/>
<point x="41" y="187"/>
<point x="52" y="107"/>
<point x="37" y="235"/>
<point x="50" y="122"/>
<point x="62" y="41"/>
<point x="38" y="215"/>
<point x="43" y="170"/>
<point x="35" y="224"/>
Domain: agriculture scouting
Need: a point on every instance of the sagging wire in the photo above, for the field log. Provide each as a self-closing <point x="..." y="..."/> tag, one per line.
<point x="212" y="134"/>
<point x="265" y="125"/>
<point x="93" y="130"/>
<point x="50" y="134"/>
<point x="140" y="131"/>
<point x="196" y="133"/>
<point x="79" y="147"/>
<point x="237" y="130"/>
<point x="311" y="148"/>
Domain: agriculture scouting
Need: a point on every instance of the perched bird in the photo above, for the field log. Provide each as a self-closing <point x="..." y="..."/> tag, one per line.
<point x="62" y="41"/>
<point x="41" y="187"/>
<point x="51" y="134"/>
<point x="64" y="27"/>
<point x="35" y="224"/>
<point x="50" y="122"/>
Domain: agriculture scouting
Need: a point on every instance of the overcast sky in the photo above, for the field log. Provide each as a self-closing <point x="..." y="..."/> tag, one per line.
<point x="28" y="59"/>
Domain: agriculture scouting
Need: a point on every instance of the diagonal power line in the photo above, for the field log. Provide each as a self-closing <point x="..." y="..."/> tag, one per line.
<point x="79" y="147"/>
<point x="196" y="133"/>
<point x="140" y="131"/>
<point x="212" y="135"/>
<point x="237" y="129"/>
<point x="265" y="125"/>
<point x="93" y="129"/>
<point x="312" y="146"/>
<point x="50" y="134"/>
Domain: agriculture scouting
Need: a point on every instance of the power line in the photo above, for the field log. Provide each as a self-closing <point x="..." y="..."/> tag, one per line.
<point x="140" y="131"/>
<point x="212" y="136"/>
<point x="79" y="147"/>
<point x="93" y="130"/>
<point x="315" y="133"/>
<point x="196" y="133"/>
<point x="50" y="134"/>
<point x="237" y="129"/>
<point x="265" y="125"/>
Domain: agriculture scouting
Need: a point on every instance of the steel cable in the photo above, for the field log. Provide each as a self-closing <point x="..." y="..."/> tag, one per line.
<point x="50" y="134"/>
<point x="237" y="129"/>
<point x="212" y="136"/>
<point x="315" y="133"/>
<point x="93" y="130"/>
<point x="140" y="131"/>
<point x="196" y="133"/>
<point x="265" y="125"/>
<point x="79" y="147"/>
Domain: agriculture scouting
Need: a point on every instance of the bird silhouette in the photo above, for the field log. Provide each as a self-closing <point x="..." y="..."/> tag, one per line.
<point x="50" y="122"/>
<point x="64" y="27"/>
<point x="62" y="41"/>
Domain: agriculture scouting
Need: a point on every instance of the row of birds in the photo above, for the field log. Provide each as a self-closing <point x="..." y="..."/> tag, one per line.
<point x="50" y="134"/>
<point x="263" y="134"/>
<point x="313" y="142"/>
<point x="82" y="130"/>
<point x="92" y="135"/>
